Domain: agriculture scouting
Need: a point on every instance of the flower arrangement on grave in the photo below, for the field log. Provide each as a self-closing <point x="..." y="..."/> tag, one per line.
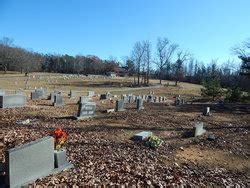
<point x="59" y="138"/>
<point x="153" y="142"/>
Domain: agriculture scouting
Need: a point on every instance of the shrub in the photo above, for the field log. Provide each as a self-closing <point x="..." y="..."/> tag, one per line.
<point x="212" y="89"/>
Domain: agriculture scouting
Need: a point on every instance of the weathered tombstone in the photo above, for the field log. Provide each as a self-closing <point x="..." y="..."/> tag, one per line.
<point x="119" y="105"/>
<point x="155" y="99"/>
<point x="130" y="99"/>
<point x="55" y="92"/>
<point x="206" y="111"/>
<point x="90" y="93"/>
<point x="142" y="135"/>
<point x="35" y="95"/>
<point x="72" y="94"/>
<point x="12" y="101"/>
<point x="31" y="161"/>
<point x="103" y="96"/>
<point x="139" y="104"/>
<point x="109" y="95"/>
<point x="86" y="110"/>
<point x="125" y="98"/>
<point x="58" y="100"/>
<point x="198" y="129"/>
<point x="83" y="99"/>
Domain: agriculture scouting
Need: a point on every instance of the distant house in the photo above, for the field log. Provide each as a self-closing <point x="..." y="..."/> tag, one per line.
<point x="122" y="71"/>
<point x="111" y="74"/>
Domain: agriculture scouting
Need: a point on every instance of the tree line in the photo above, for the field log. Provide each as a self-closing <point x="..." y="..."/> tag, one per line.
<point x="166" y="61"/>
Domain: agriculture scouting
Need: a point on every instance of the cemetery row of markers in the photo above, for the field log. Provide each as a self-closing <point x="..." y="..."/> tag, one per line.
<point x="40" y="156"/>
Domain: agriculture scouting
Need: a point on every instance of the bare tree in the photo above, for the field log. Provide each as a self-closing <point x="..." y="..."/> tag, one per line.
<point x="179" y="72"/>
<point x="165" y="51"/>
<point x="137" y="56"/>
<point x="147" y="60"/>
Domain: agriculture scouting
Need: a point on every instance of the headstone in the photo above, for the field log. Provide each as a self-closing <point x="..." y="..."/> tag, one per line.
<point x="31" y="161"/>
<point x="35" y="95"/>
<point x="12" y="101"/>
<point x="58" y="100"/>
<point x="86" y="110"/>
<point x="206" y="111"/>
<point x="83" y="99"/>
<point x="55" y="92"/>
<point x="72" y="94"/>
<point x="90" y="93"/>
<point x="142" y="135"/>
<point x="130" y="99"/>
<point x="198" y="129"/>
<point x="119" y="105"/>
<point x="139" y="104"/>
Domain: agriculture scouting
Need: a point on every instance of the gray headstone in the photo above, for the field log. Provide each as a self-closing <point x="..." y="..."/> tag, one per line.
<point x="35" y="95"/>
<point x="30" y="161"/>
<point x="142" y="135"/>
<point x="53" y="94"/>
<point x="12" y="101"/>
<point x="83" y="99"/>
<point x="139" y="104"/>
<point x="90" y="93"/>
<point x="198" y="129"/>
<point x="119" y="105"/>
<point x="58" y="100"/>
<point x="86" y="110"/>
<point x="72" y="94"/>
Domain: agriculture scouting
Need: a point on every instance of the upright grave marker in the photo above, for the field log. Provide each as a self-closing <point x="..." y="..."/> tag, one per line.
<point x="198" y="129"/>
<point x="72" y="94"/>
<point x="58" y="100"/>
<point x="139" y="104"/>
<point x="12" y="101"/>
<point x="119" y="105"/>
<point x="31" y="161"/>
<point x="86" y="110"/>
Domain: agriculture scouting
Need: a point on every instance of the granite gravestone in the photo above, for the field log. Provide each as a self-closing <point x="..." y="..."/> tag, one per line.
<point x="86" y="110"/>
<point x="53" y="94"/>
<point x="58" y="100"/>
<point x="31" y="161"/>
<point x="72" y="94"/>
<point x="198" y="129"/>
<point x="83" y="99"/>
<point x="12" y="101"/>
<point x="142" y="136"/>
<point x="119" y="105"/>
<point x="139" y="104"/>
<point x="90" y="93"/>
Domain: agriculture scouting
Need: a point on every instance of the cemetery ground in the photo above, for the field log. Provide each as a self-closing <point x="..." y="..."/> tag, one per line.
<point x="101" y="149"/>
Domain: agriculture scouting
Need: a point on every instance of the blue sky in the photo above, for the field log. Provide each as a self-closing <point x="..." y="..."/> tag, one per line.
<point x="206" y="28"/>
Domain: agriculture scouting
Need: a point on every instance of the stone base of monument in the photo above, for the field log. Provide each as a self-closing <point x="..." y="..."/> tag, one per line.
<point x="142" y="136"/>
<point x="78" y="118"/>
<point x="121" y="110"/>
<point x="60" y="160"/>
<point x="198" y="129"/>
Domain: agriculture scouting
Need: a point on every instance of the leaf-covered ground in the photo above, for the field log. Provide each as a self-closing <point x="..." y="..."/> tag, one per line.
<point x="102" y="152"/>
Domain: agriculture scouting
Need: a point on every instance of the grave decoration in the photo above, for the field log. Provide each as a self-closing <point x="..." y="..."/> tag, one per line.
<point x="59" y="138"/>
<point x="59" y="153"/>
<point x="153" y="142"/>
